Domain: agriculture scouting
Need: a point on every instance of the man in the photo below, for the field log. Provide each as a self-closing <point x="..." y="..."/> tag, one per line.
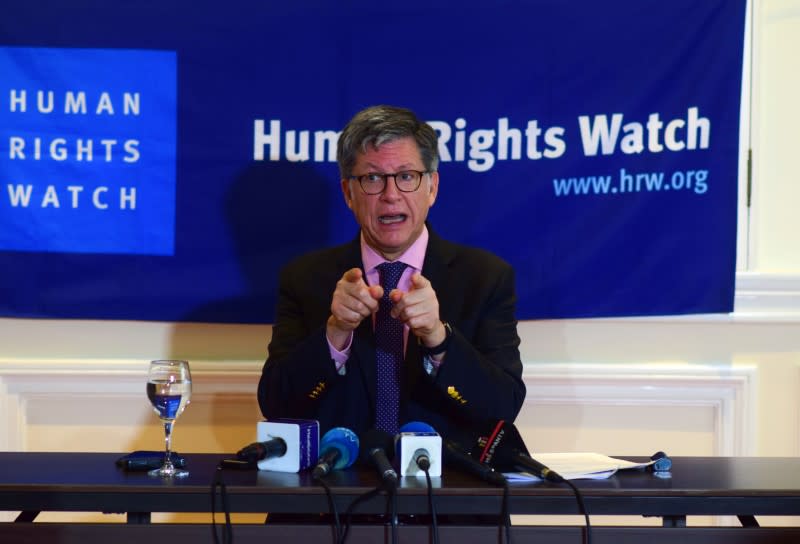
<point x="459" y="359"/>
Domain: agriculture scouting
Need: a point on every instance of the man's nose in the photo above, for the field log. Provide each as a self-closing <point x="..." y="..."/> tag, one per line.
<point x="391" y="190"/>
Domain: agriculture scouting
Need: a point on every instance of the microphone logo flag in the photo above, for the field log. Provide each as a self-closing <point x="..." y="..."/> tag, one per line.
<point x="302" y="443"/>
<point x="408" y="446"/>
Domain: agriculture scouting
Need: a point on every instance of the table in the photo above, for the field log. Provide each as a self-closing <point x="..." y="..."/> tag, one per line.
<point x="31" y="482"/>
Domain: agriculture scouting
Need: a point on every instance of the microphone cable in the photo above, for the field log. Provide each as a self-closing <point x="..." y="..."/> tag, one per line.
<point x="351" y="509"/>
<point x="392" y="491"/>
<point x="587" y="535"/>
<point x="425" y="466"/>
<point x="455" y="454"/>
<point x="336" y="524"/>
<point x="505" y="513"/>
<point x="391" y="505"/>
<point x="554" y="477"/>
<point x="227" y="529"/>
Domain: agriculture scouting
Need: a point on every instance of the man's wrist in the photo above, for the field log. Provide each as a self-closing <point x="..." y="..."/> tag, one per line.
<point x="443" y="345"/>
<point x="337" y="337"/>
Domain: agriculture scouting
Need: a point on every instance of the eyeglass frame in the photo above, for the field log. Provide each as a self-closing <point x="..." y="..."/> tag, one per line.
<point x="385" y="178"/>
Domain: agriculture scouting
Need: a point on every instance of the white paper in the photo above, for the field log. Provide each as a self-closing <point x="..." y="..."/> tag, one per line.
<point x="578" y="466"/>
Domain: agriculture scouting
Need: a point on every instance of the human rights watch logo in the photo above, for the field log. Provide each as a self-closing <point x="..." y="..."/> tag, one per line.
<point x="87" y="150"/>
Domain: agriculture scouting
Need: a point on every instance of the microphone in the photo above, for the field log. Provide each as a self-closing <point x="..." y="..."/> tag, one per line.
<point x="453" y="453"/>
<point x="376" y="445"/>
<point x="338" y="450"/>
<point x="261" y="450"/>
<point x="283" y="445"/>
<point x="525" y="462"/>
<point x="419" y="448"/>
<point x="503" y="448"/>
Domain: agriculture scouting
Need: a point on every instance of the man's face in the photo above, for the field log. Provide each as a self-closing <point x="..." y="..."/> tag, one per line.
<point x="392" y="220"/>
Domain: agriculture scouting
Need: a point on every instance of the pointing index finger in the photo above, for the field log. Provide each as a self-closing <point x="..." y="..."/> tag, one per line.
<point x="419" y="281"/>
<point x="352" y="275"/>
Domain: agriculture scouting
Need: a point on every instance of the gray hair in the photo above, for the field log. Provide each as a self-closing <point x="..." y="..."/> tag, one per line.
<point x="378" y="125"/>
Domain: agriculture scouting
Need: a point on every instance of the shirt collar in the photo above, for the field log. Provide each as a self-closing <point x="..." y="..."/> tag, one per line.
<point x="414" y="256"/>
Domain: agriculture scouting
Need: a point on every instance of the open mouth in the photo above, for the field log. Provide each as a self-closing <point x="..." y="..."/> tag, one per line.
<point x="392" y="219"/>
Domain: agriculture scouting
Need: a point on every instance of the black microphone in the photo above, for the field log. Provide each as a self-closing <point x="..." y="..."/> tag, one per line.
<point x="376" y="444"/>
<point x="262" y="450"/>
<point x="502" y="447"/>
<point x="422" y="459"/>
<point x="282" y="444"/>
<point x="453" y="453"/>
<point x="525" y="462"/>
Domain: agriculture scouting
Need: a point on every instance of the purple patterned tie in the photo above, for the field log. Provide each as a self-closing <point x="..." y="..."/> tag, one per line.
<point x="388" y="351"/>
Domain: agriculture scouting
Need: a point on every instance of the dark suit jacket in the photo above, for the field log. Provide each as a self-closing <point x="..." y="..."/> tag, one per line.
<point x="480" y="378"/>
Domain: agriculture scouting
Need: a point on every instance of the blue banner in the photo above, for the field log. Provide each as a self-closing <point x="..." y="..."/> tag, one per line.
<point x="163" y="161"/>
<point x="87" y="170"/>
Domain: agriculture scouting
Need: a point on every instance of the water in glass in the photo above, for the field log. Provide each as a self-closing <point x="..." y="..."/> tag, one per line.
<point x="169" y="388"/>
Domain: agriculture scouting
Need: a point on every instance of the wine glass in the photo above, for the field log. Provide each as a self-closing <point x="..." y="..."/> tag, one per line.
<point x="169" y="387"/>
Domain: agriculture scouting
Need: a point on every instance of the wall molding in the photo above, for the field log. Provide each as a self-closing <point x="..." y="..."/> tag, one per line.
<point x="23" y="381"/>
<point x="767" y="297"/>
<point x="729" y="391"/>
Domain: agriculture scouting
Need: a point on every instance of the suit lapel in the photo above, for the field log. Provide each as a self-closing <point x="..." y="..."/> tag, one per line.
<point x="350" y="256"/>
<point x="436" y="267"/>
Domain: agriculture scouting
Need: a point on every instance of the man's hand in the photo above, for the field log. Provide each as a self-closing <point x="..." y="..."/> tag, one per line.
<point x="353" y="300"/>
<point x="419" y="309"/>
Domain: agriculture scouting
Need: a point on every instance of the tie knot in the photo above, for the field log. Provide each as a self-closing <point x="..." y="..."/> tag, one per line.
<point x="390" y="274"/>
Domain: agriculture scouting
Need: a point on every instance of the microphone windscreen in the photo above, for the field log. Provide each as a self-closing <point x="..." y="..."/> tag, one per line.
<point x="345" y="442"/>
<point x="410" y="427"/>
<point x="417" y="427"/>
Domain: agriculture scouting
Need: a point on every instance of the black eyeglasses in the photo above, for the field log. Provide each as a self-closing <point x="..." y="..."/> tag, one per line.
<point x="406" y="181"/>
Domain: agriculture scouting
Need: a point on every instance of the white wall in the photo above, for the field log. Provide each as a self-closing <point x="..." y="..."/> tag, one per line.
<point x="690" y="385"/>
<point x="775" y="245"/>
